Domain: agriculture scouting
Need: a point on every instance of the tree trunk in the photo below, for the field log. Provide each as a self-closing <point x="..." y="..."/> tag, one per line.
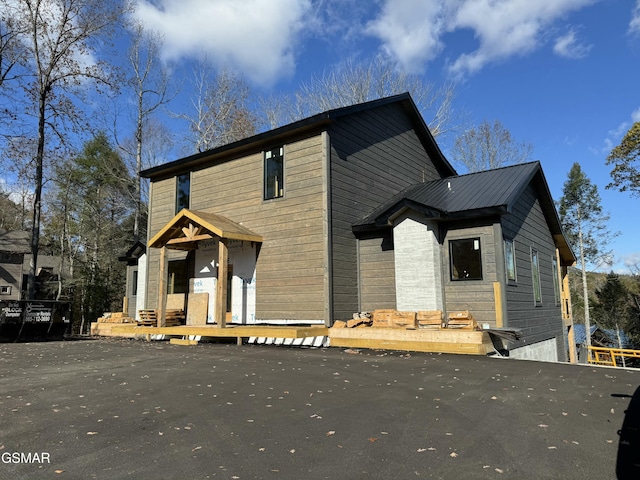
<point x="37" y="198"/>
<point x="585" y="291"/>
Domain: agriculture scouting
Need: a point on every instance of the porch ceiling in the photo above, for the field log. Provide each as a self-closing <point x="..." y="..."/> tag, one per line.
<point x="189" y="227"/>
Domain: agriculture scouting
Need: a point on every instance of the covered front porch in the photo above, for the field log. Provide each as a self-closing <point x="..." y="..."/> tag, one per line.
<point x="216" y="281"/>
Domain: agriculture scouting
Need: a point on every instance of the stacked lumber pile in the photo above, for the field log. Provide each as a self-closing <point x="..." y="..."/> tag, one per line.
<point x="394" y="319"/>
<point x="463" y="320"/>
<point x="148" y="318"/>
<point x="115" y="317"/>
<point x="430" y="319"/>
<point x="388" y="318"/>
<point x="174" y="318"/>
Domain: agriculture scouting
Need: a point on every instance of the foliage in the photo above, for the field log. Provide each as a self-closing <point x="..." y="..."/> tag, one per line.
<point x="58" y="40"/>
<point x="488" y="146"/>
<point x="583" y="220"/>
<point x="612" y="303"/>
<point x="624" y="158"/>
<point x="585" y="225"/>
<point x="90" y="223"/>
<point x="221" y="114"/>
<point x="356" y="82"/>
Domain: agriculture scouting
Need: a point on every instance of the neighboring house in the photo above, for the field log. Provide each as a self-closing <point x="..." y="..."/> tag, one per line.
<point x="602" y="337"/>
<point x="353" y="210"/>
<point x="136" y="259"/>
<point x="13" y="247"/>
<point x="15" y="255"/>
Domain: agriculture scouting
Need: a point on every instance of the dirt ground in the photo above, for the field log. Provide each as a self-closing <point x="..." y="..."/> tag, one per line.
<point x="111" y="409"/>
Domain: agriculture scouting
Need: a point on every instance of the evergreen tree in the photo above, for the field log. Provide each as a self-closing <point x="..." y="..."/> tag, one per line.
<point x="91" y="225"/>
<point x="585" y="225"/>
<point x="625" y="159"/>
<point x="612" y="304"/>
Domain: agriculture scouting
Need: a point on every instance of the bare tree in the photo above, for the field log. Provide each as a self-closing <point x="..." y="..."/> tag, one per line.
<point x="12" y="52"/>
<point x="489" y="145"/>
<point x="357" y="82"/>
<point x="60" y="39"/>
<point x="221" y="113"/>
<point x="150" y="82"/>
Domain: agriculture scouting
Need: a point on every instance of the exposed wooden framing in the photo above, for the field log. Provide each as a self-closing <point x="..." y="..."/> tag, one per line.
<point x="497" y="296"/>
<point x="162" y="287"/>
<point x="180" y="240"/>
<point x="221" y="297"/>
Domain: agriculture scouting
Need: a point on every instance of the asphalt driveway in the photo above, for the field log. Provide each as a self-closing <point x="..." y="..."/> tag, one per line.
<point x="111" y="409"/>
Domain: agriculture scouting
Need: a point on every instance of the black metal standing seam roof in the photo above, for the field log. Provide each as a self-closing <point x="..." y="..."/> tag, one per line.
<point x="474" y="194"/>
<point x="451" y="196"/>
<point x="307" y="124"/>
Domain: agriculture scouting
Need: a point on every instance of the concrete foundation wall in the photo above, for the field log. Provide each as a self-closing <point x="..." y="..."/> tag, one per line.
<point x="417" y="266"/>
<point x="546" y="351"/>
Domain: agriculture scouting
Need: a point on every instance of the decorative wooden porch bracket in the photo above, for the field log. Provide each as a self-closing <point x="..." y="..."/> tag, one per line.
<point x="221" y="290"/>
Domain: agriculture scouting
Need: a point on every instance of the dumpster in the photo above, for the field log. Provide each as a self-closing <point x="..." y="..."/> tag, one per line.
<point x="34" y="320"/>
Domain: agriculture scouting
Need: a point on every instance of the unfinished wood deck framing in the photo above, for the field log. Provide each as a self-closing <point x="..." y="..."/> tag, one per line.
<point x="230" y="331"/>
<point x="418" y="340"/>
<point x="454" y="340"/>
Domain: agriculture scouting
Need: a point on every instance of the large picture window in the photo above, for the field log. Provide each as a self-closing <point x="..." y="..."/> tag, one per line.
<point x="466" y="259"/>
<point x="183" y="190"/>
<point x="274" y="173"/>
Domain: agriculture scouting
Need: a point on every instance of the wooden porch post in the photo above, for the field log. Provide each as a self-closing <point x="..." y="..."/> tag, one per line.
<point x="162" y="288"/>
<point x="221" y="290"/>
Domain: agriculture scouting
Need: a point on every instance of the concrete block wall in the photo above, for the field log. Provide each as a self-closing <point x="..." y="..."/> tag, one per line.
<point x="417" y="265"/>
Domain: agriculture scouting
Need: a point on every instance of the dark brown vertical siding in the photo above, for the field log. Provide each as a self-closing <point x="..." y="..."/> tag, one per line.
<point x="528" y="228"/>
<point x="374" y="155"/>
<point x="473" y="295"/>
<point x="291" y="268"/>
<point x="377" y="273"/>
<point x="161" y="210"/>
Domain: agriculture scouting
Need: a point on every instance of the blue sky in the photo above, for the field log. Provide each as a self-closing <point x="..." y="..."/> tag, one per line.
<point x="563" y="75"/>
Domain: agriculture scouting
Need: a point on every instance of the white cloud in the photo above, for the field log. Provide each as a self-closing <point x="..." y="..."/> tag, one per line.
<point x="569" y="46"/>
<point x="410" y="31"/>
<point x="634" y="24"/>
<point x="635" y="115"/>
<point x="255" y="37"/>
<point x="413" y="33"/>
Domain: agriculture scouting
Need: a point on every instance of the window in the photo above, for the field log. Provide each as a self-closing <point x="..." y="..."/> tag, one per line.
<point x="183" y="188"/>
<point x="466" y="259"/>
<point x="535" y="277"/>
<point x="134" y="283"/>
<point x="510" y="260"/>
<point x="556" y="280"/>
<point x="5" y="290"/>
<point x="274" y="173"/>
<point x="178" y="277"/>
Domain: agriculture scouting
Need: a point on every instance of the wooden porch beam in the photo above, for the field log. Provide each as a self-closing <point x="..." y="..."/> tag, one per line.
<point x="162" y="288"/>
<point x="221" y="290"/>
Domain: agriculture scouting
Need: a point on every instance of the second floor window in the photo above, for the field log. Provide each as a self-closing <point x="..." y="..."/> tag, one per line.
<point x="183" y="189"/>
<point x="274" y="173"/>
